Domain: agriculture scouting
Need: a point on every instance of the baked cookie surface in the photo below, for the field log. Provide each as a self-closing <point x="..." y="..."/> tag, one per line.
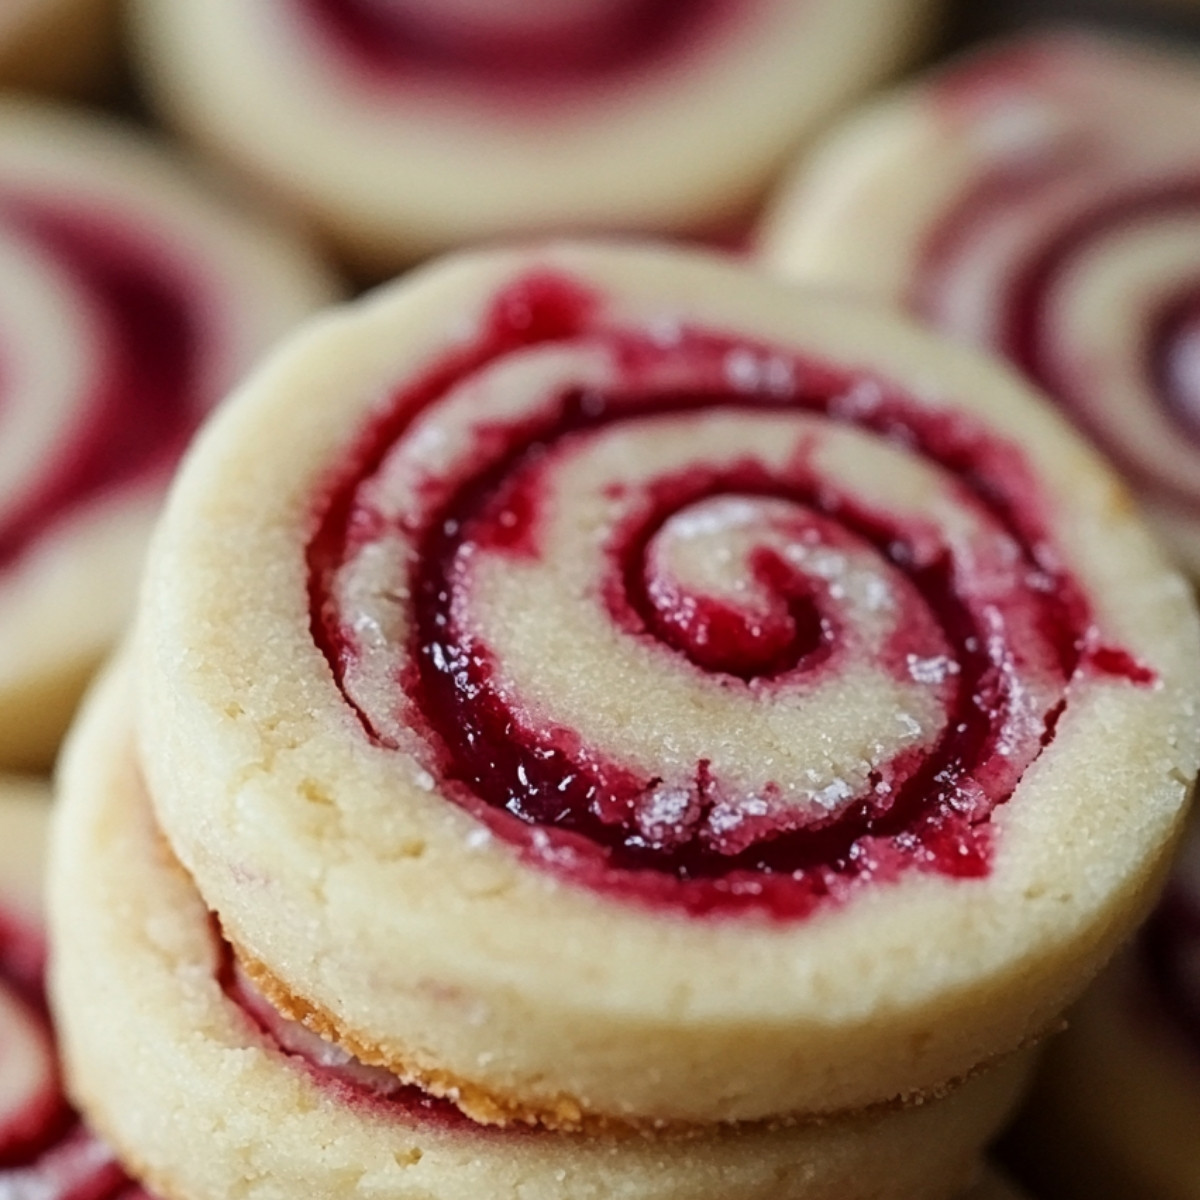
<point x="602" y="682"/>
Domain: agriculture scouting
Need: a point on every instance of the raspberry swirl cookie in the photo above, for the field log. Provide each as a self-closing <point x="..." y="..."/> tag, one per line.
<point x="213" y="1093"/>
<point x="131" y="298"/>
<point x="1116" y="1113"/>
<point x="602" y="683"/>
<point x="1055" y="219"/>
<point x="417" y="125"/>
<point x="44" y="1150"/>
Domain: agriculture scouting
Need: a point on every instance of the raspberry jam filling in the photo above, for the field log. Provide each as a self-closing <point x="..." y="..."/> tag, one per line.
<point x="530" y="45"/>
<point x="756" y="673"/>
<point x="44" y="1150"/>
<point x="144" y="398"/>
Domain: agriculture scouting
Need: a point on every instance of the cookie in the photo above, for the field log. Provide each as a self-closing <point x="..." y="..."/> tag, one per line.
<point x="604" y="683"/>
<point x="212" y="1093"/>
<point x="1116" y="1110"/>
<point x="1054" y="218"/>
<point x="412" y="127"/>
<point x="132" y="296"/>
<point x="44" y="1150"/>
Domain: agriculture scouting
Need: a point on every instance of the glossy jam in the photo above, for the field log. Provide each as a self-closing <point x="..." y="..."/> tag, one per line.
<point x="572" y="808"/>
<point x="605" y="42"/>
<point x="145" y="395"/>
<point x="47" y="1152"/>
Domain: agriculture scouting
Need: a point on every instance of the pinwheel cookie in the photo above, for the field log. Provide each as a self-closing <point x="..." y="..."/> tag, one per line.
<point x="44" y="1150"/>
<point x="422" y="124"/>
<point x="212" y="1093"/>
<point x="605" y="685"/>
<point x="131" y="298"/>
<point x="1116" y="1114"/>
<point x="1039" y="199"/>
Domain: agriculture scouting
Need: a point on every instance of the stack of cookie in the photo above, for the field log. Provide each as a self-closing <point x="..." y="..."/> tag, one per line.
<point x="602" y="723"/>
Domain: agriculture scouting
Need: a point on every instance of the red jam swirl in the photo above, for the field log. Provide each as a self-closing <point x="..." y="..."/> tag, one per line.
<point x="994" y="632"/>
<point x="44" y="1150"/>
<point x="523" y="47"/>
<point x="145" y="397"/>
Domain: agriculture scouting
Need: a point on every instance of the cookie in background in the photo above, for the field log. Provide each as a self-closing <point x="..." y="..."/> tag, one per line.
<point x="44" y="1149"/>
<point x="473" y="658"/>
<point x="1116" y="1110"/>
<point x="133" y="294"/>
<point x="58" y="45"/>
<point x="1037" y="198"/>
<point x="418" y="125"/>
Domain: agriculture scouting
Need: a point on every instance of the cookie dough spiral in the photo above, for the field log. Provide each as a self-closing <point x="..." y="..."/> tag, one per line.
<point x="131" y="297"/>
<point x="1056" y="225"/>
<point x="412" y="126"/>
<point x="591" y="622"/>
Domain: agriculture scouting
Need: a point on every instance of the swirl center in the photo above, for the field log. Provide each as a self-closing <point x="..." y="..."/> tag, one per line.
<point x="694" y="619"/>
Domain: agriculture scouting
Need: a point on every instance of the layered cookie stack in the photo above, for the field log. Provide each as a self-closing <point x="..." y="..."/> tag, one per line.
<point x="605" y="724"/>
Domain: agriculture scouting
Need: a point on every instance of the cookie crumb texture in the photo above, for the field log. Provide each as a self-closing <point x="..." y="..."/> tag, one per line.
<point x="633" y="689"/>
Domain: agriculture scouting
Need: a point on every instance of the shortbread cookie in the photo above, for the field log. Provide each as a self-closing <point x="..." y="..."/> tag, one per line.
<point x="63" y="45"/>
<point x="203" y="1085"/>
<point x="1039" y="199"/>
<point x="1117" y="1111"/>
<point x="422" y="124"/>
<point x="602" y="681"/>
<point x="44" y="1150"/>
<point x="131" y="298"/>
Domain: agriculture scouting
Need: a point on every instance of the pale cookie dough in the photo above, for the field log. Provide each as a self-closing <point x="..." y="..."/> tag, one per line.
<point x="419" y="125"/>
<point x="133" y="294"/>
<point x="186" y="1071"/>
<point x="1117" y="1109"/>
<point x="605" y="683"/>
<point x="47" y="1152"/>
<point x="1040" y="199"/>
